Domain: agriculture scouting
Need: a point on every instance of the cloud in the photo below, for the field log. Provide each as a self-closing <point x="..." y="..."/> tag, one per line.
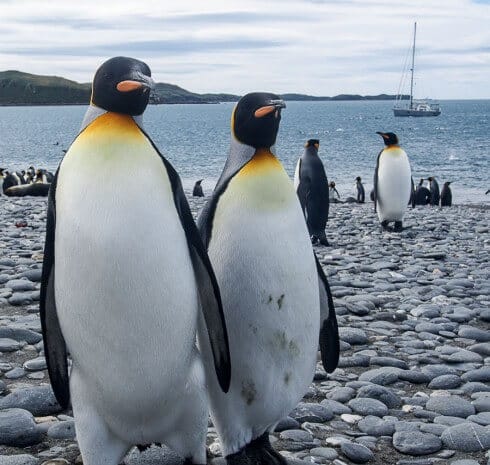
<point x="321" y="47"/>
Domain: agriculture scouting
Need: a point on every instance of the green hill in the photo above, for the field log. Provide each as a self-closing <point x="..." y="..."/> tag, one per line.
<point x="18" y="88"/>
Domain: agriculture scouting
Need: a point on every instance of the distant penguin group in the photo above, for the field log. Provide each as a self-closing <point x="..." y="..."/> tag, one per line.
<point x="432" y="196"/>
<point x="25" y="183"/>
<point x="125" y="297"/>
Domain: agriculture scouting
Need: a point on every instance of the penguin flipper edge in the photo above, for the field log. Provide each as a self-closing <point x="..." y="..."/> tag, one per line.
<point x="329" y="332"/>
<point x="208" y="289"/>
<point x="54" y="342"/>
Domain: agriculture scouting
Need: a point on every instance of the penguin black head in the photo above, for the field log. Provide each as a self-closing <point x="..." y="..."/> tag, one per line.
<point x="256" y="118"/>
<point x="358" y="179"/>
<point x="313" y="143"/>
<point x="199" y="182"/>
<point x="447" y="183"/>
<point x="332" y="184"/>
<point x="389" y="138"/>
<point x="430" y="179"/>
<point x="122" y="85"/>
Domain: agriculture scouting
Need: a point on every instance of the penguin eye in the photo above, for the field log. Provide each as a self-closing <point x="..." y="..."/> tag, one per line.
<point x="108" y="76"/>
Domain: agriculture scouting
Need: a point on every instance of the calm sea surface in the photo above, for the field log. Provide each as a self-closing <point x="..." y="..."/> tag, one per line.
<point x="195" y="138"/>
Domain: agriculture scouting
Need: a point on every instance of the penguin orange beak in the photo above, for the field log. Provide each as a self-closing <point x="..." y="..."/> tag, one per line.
<point x="264" y="111"/>
<point x="274" y="105"/>
<point x="129" y="86"/>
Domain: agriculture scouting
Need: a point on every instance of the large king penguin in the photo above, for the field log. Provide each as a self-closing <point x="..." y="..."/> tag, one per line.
<point x="393" y="183"/>
<point x="124" y="273"/>
<point x="275" y="295"/>
<point x="311" y="184"/>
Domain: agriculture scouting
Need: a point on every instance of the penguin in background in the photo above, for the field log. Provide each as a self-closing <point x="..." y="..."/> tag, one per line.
<point x="392" y="183"/>
<point x="332" y="192"/>
<point x="121" y="294"/>
<point x="197" y="191"/>
<point x="434" y="191"/>
<point x="9" y="180"/>
<point x="311" y="184"/>
<point x="422" y="194"/>
<point x="446" y="195"/>
<point x="361" y="195"/>
<point x="276" y="297"/>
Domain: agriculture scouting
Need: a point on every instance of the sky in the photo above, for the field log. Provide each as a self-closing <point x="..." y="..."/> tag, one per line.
<point x="317" y="47"/>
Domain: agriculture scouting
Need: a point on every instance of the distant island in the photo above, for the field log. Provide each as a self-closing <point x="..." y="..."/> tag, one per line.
<point x="19" y="88"/>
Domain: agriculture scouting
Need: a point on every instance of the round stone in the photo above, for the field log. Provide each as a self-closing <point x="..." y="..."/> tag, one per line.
<point x="39" y="400"/>
<point x="383" y="376"/>
<point x="445" y="382"/>
<point x="62" y="430"/>
<point x="9" y="345"/>
<point x="375" y="426"/>
<point x="450" y="406"/>
<point x="354" y="336"/>
<point x="381" y="393"/>
<point x="18" y="428"/>
<point x="357" y="453"/>
<point x="296" y="435"/>
<point x="18" y="459"/>
<point x="416" y="443"/>
<point x="314" y="413"/>
<point x="366" y="406"/>
<point x="467" y="437"/>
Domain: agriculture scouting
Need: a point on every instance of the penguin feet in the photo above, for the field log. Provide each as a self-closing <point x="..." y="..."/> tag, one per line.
<point x="322" y="239"/>
<point x="398" y="226"/>
<point x="257" y="452"/>
<point x="384" y="225"/>
<point x="314" y="239"/>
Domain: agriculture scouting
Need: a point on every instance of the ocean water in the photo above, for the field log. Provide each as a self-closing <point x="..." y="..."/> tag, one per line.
<point x="195" y="138"/>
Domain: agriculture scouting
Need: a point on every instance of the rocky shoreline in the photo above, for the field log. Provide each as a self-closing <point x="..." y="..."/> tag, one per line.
<point x="413" y="384"/>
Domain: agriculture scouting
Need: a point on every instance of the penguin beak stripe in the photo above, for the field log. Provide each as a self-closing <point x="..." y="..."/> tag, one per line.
<point x="129" y="86"/>
<point x="264" y="111"/>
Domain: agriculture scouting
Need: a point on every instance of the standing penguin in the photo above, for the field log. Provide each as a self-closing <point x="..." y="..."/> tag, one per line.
<point x="392" y="182"/>
<point x="275" y="295"/>
<point x="123" y="274"/>
<point x="422" y="194"/>
<point x="434" y="191"/>
<point x="446" y="195"/>
<point x="311" y="184"/>
<point x="361" y="196"/>
<point x="197" y="191"/>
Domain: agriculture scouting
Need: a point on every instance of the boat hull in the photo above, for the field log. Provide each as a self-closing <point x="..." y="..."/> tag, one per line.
<point x="408" y="112"/>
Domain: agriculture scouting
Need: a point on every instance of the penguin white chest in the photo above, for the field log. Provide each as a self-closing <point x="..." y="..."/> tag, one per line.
<point x="262" y="256"/>
<point x="394" y="184"/>
<point x="124" y="282"/>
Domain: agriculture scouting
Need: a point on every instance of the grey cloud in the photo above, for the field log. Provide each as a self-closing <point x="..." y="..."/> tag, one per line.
<point x="146" y="21"/>
<point x="154" y="47"/>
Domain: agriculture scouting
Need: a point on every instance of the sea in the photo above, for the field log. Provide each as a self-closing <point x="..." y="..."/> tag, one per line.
<point x="454" y="146"/>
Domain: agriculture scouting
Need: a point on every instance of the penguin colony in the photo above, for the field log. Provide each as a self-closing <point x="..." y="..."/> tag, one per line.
<point x="245" y="281"/>
<point x="21" y="183"/>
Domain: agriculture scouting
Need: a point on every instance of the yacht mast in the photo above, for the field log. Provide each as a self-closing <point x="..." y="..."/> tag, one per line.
<point x="413" y="65"/>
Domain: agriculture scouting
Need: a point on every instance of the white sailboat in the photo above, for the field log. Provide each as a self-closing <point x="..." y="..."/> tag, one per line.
<point x="415" y="107"/>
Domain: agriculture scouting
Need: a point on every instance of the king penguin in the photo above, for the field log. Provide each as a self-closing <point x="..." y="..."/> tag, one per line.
<point x="276" y="297"/>
<point x="393" y="183"/>
<point x="446" y="195"/>
<point x="311" y="184"/>
<point x="124" y="274"/>
<point x="435" y="195"/>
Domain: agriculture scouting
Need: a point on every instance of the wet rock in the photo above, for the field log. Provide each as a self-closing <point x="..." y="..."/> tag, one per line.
<point x="451" y="406"/>
<point x="18" y="428"/>
<point x="416" y="443"/>
<point x="38" y="400"/>
<point x="467" y="437"/>
<point x="357" y="453"/>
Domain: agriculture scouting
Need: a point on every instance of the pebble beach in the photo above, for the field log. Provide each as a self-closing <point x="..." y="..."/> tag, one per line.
<point x="413" y="382"/>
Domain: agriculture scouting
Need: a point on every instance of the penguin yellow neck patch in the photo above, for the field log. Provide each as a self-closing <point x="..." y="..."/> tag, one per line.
<point x="263" y="161"/>
<point x="113" y="124"/>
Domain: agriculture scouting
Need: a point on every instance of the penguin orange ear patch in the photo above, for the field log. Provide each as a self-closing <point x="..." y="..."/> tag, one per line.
<point x="128" y="86"/>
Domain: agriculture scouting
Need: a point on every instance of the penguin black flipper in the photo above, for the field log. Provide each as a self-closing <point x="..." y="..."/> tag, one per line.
<point x="54" y="342"/>
<point x="412" y="196"/>
<point x="375" y="181"/>
<point x="207" y="284"/>
<point x="329" y="331"/>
